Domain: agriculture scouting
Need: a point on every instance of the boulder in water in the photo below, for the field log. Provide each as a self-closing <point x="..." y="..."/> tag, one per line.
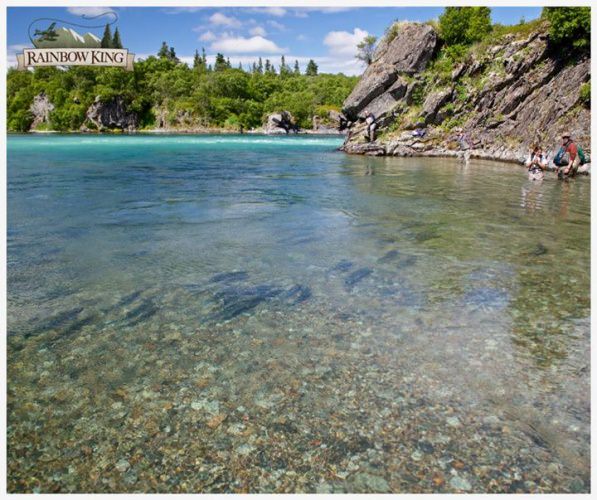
<point x="280" y="123"/>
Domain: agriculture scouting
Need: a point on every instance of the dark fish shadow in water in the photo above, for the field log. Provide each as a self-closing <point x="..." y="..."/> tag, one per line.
<point x="234" y="300"/>
<point x="356" y="277"/>
<point x="62" y="326"/>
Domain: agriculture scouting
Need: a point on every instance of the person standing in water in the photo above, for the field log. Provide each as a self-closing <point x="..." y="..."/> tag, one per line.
<point x="536" y="163"/>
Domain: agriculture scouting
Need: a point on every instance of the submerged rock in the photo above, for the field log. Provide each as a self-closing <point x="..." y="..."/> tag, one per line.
<point x="364" y="482"/>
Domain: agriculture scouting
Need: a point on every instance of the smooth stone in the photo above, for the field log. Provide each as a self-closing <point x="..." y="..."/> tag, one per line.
<point x="460" y="483"/>
<point x="453" y="421"/>
<point x="365" y="482"/>
<point x="122" y="465"/>
<point x="211" y="407"/>
<point x="577" y="486"/>
<point x="245" y="449"/>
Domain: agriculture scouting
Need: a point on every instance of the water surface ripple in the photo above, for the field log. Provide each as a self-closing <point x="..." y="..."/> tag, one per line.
<point x="267" y="314"/>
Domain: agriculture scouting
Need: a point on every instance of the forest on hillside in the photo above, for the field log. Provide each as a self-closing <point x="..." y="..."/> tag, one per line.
<point x="164" y="91"/>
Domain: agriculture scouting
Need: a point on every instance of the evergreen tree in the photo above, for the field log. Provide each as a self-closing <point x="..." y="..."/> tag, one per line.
<point x="204" y="57"/>
<point x="220" y="64"/>
<point x="228" y="65"/>
<point x="164" y="50"/>
<point x="197" y="62"/>
<point x="254" y="67"/>
<point x="106" y="42"/>
<point x="284" y="69"/>
<point x="311" y="68"/>
<point x="268" y="66"/>
<point x="260" y="67"/>
<point x="297" y="69"/>
<point x="116" y="42"/>
<point x="172" y="55"/>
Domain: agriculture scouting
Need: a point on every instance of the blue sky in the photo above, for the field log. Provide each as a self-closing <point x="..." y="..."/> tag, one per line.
<point x="327" y="35"/>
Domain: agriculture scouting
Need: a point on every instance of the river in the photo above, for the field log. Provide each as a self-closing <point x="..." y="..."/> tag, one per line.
<point x="267" y="314"/>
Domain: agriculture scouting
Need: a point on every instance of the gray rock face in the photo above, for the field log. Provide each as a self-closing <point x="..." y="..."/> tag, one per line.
<point x="41" y="109"/>
<point x="280" y="123"/>
<point x="332" y="123"/>
<point x="433" y="104"/>
<point x="407" y="53"/>
<point x="112" y="114"/>
<point x="514" y="94"/>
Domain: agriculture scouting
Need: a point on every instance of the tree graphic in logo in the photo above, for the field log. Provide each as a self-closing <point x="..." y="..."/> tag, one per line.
<point x="68" y="38"/>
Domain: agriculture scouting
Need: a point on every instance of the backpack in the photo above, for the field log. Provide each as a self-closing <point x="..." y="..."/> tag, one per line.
<point x="557" y="159"/>
<point x="581" y="155"/>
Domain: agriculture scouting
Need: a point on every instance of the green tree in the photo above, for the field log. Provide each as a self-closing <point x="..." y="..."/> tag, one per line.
<point x="365" y="49"/>
<point x="220" y="64"/>
<point x="297" y="69"/>
<point x="106" y="42"/>
<point x="197" y="62"/>
<point x="569" y="26"/>
<point x="464" y="25"/>
<point x="284" y="69"/>
<point x="260" y="66"/>
<point x="116" y="42"/>
<point x="311" y="68"/>
<point x="164" y="51"/>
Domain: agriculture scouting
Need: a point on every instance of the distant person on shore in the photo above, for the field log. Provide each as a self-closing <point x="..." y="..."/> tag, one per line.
<point x="536" y="163"/>
<point x="371" y="126"/>
<point x="567" y="159"/>
<point x="465" y="146"/>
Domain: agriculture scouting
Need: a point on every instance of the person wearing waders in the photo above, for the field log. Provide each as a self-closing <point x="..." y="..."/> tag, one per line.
<point x="371" y="126"/>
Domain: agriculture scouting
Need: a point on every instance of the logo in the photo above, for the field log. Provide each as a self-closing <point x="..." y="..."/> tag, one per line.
<point x="62" y="46"/>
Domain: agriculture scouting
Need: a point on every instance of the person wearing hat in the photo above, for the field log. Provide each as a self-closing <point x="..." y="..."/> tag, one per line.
<point x="567" y="160"/>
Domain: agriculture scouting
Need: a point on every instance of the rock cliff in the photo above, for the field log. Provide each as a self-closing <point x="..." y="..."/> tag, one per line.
<point x="113" y="114"/>
<point x="502" y="97"/>
<point x="40" y="109"/>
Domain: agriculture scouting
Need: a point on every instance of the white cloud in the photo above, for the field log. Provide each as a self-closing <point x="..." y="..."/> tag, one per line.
<point x="326" y="64"/>
<point x="272" y="11"/>
<point x="219" y="19"/>
<point x="276" y="25"/>
<point x="208" y="36"/>
<point x="240" y="45"/>
<point x="12" y="51"/>
<point x="257" y="31"/>
<point x="302" y="38"/>
<point x="182" y="10"/>
<point x="344" y="42"/>
<point x="88" y="11"/>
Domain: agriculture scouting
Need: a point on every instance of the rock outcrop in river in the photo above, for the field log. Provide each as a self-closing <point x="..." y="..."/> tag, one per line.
<point x="504" y="96"/>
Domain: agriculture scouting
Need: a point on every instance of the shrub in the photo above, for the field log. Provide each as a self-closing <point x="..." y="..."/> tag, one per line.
<point x="464" y="25"/>
<point x="569" y="26"/>
<point x="585" y="94"/>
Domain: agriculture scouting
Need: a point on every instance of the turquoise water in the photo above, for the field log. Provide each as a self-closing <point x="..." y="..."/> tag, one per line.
<point x="248" y="313"/>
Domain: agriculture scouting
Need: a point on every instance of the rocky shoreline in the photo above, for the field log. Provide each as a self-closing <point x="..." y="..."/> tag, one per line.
<point x="495" y="104"/>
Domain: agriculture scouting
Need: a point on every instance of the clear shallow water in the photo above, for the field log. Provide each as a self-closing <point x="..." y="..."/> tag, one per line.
<point x="234" y="313"/>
